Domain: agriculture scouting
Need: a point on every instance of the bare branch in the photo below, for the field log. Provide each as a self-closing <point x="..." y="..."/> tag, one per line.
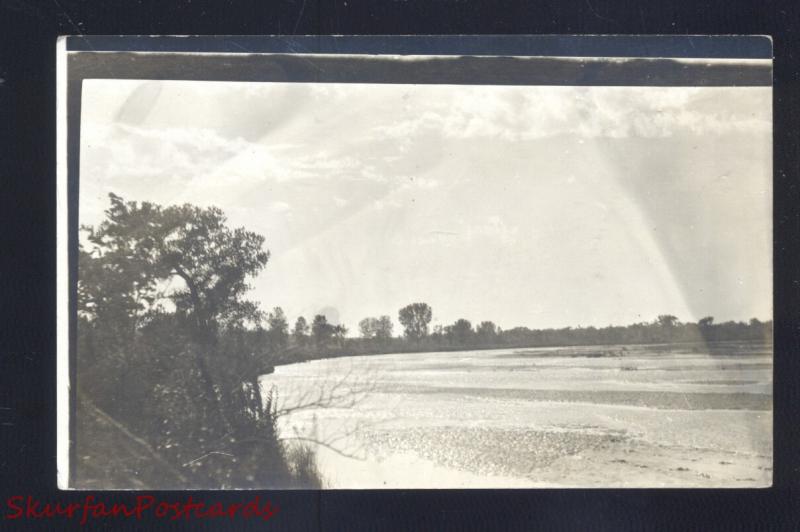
<point x="326" y="445"/>
<point x="190" y="462"/>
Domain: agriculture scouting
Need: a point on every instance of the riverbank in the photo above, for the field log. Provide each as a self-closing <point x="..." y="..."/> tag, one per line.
<point x="716" y="348"/>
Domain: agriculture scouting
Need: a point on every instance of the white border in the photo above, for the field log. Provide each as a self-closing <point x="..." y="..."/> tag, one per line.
<point x="62" y="270"/>
<point x="420" y="57"/>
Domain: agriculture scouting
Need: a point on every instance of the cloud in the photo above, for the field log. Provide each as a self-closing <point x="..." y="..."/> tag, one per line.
<point x="527" y="113"/>
<point x="419" y="183"/>
<point x="493" y="228"/>
<point x="114" y="153"/>
<point x="280" y="206"/>
<point x="386" y="203"/>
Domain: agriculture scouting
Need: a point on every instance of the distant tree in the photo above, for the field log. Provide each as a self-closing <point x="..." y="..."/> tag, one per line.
<point x="339" y="331"/>
<point x="486" y="331"/>
<point x="278" y="327"/>
<point x="708" y="321"/>
<point x="667" y="320"/>
<point x="384" y="328"/>
<point x="415" y="319"/>
<point x="461" y="332"/>
<point x="300" y="332"/>
<point x="321" y="330"/>
<point x="377" y="328"/>
<point x="368" y="327"/>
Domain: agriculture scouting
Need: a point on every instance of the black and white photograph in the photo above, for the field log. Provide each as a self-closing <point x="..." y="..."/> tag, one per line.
<point x="412" y="270"/>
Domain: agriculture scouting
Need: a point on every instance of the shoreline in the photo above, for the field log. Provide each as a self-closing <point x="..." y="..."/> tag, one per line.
<point x="604" y="350"/>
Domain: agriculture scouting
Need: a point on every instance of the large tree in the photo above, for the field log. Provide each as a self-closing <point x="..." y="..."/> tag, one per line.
<point x="153" y="244"/>
<point x="173" y="280"/>
<point x="415" y="319"/>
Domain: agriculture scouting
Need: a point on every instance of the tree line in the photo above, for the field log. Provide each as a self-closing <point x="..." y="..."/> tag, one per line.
<point x="376" y="334"/>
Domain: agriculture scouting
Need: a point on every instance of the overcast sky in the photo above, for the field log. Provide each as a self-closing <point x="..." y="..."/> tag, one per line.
<point x="535" y="206"/>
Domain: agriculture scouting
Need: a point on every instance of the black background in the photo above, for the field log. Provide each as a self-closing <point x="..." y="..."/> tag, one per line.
<point x="27" y="256"/>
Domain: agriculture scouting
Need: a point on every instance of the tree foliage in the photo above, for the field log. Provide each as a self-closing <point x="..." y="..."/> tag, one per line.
<point x="459" y="332"/>
<point x="278" y="328"/>
<point x="321" y="330"/>
<point x="376" y="328"/>
<point x="706" y="322"/>
<point x="300" y="331"/>
<point x="487" y="332"/>
<point x="415" y="318"/>
<point x="667" y="320"/>
<point x="169" y="344"/>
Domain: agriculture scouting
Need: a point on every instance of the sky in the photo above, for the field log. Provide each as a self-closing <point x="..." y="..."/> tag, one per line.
<point x="524" y="205"/>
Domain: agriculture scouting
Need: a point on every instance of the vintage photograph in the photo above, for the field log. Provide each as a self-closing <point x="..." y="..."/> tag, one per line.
<point x="371" y="285"/>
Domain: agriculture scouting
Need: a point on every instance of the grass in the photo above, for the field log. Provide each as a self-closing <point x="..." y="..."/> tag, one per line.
<point x="303" y="464"/>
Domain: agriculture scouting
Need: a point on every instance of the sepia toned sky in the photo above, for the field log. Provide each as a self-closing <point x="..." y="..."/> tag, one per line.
<point x="534" y="206"/>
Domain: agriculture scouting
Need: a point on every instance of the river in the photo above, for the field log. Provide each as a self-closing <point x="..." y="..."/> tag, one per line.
<point x="632" y="416"/>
